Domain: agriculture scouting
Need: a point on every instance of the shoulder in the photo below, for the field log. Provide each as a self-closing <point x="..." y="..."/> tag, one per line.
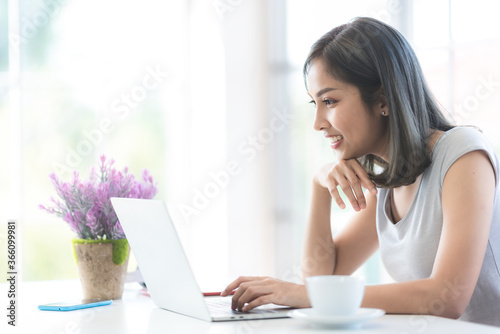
<point x="462" y="136"/>
<point x="458" y="142"/>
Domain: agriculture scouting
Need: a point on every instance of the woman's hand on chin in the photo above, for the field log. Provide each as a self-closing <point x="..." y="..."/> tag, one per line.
<point x="350" y="177"/>
<point x="253" y="291"/>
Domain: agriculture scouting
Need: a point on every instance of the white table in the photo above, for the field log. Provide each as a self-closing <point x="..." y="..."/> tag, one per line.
<point x="136" y="313"/>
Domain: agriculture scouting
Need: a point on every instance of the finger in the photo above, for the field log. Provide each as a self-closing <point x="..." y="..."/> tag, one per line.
<point x="343" y="174"/>
<point x="242" y="288"/>
<point x="236" y="297"/>
<point x="253" y="291"/>
<point x="236" y="283"/>
<point x="345" y="185"/>
<point x="233" y="285"/>
<point x="356" y="189"/>
<point x="262" y="300"/>
<point x="347" y="190"/>
<point x="363" y="176"/>
<point x="336" y="197"/>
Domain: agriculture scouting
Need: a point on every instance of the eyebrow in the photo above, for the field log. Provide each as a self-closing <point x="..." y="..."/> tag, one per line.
<point x="325" y="90"/>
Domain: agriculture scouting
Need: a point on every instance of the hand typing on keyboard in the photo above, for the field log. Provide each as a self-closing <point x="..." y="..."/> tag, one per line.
<point x="254" y="291"/>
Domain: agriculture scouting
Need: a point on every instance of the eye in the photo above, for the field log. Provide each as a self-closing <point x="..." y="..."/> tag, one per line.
<point x="312" y="102"/>
<point x="329" y="102"/>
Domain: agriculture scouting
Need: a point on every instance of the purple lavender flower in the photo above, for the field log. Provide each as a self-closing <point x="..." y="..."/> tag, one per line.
<point x="86" y="205"/>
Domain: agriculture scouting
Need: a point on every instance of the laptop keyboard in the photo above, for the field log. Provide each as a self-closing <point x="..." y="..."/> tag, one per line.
<point x="222" y="305"/>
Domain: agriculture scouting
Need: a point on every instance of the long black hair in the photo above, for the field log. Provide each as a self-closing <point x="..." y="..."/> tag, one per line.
<point x="377" y="59"/>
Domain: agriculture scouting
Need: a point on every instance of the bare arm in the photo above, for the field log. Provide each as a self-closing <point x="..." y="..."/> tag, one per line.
<point x="353" y="245"/>
<point x="467" y="199"/>
<point x="358" y="240"/>
<point x="319" y="251"/>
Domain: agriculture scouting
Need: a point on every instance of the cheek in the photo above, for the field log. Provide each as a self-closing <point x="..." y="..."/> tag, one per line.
<point x="357" y="128"/>
<point x="340" y="120"/>
<point x="347" y="123"/>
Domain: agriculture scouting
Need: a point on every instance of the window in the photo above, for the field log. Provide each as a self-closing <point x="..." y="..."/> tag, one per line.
<point x="209" y="97"/>
<point x="89" y="78"/>
<point x="458" y="55"/>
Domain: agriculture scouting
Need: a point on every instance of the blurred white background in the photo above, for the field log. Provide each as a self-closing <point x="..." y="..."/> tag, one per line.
<point x="209" y="97"/>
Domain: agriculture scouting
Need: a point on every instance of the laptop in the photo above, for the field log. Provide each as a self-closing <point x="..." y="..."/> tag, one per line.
<point x="165" y="267"/>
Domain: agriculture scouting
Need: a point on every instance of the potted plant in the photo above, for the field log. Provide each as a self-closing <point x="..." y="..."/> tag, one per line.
<point x="101" y="249"/>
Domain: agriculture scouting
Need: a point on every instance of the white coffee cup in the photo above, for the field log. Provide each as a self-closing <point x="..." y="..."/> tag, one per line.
<point x="335" y="294"/>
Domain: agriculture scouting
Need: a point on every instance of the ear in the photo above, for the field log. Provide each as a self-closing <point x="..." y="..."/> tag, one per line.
<point x="381" y="106"/>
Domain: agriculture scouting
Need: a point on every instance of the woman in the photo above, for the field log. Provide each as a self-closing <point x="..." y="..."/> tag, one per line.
<point x="435" y="216"/>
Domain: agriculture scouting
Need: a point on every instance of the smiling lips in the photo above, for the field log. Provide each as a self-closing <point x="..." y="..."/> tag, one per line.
<point x="335" y="141"/>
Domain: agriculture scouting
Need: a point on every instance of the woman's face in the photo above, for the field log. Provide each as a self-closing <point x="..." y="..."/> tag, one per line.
<point x="353" y="129"/>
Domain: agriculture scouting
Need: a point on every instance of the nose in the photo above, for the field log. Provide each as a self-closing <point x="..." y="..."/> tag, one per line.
<point x="320" y="121"/>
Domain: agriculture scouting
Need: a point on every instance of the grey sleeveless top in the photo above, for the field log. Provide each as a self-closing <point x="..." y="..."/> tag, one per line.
<point x="408" y="248"/>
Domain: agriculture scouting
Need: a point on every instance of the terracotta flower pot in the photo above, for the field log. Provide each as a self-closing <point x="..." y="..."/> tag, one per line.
<point x="102" y="267"/>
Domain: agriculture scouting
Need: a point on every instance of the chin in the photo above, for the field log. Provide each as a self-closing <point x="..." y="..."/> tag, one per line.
<point x="343" y="155"/>
<point x="346" y="155"/>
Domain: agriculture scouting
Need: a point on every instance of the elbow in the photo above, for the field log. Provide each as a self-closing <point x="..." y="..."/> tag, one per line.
<point x="449" y="311"/>
<point x="447" y="300"/>
<point x="452" y="308"/>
